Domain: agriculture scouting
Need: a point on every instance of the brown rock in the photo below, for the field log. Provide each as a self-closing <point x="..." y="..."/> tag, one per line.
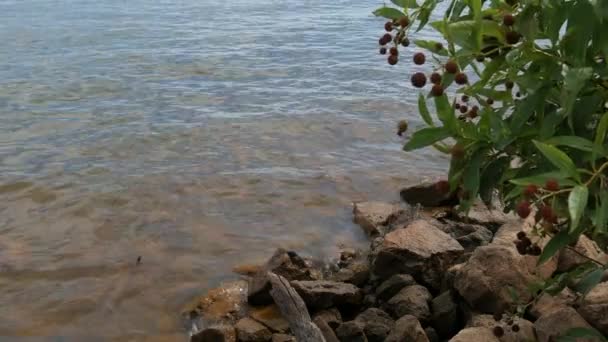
<point x="569" y="260"/>
<point x="222" y="333"/>
<point x="393" y="285"/>
<point x="356" y="273"/>
<point x="227" y="302"/>
<point x="351" y="332"/>
<point x="446" y="318"/>
<point x="331" y="316"/>
<point x="376" y="324"/>
<point x="524" y="333"/>
<point x="594" y="308"/>
<point x="431" y="334"/>
<point x="407" y="329"/>
<point x="420" y="249"/>
<point x="248" y="330"/>
<point x="469" y="235"/>
<point x="411" y="300"/>
<point x="323" y="294"/>
<point x="271" y="317"/>
<point x="326" y="330"/>
<point x="475" y="335"/>
<point x="547" y="303"/>
<point x="375" y="217"/>
<point x="283" y="338"/>
<point x="428" y="195"/>
<point x="556" y="323"/>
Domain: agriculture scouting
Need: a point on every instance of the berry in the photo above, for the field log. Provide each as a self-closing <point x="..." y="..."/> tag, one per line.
<point x="388" y="26"/>
<point x="464" y="98"/>
<point x="392" y="59"/>
<point x="457" y="151"/>
<point x="497" y="316"/>
<point x="443" y="186"/>
<point x="515" y="328"/>
<point x="457" y="105"/>
<point x="521" y="235"/>
<point x="508" y="20"/>
<point x="480" y="58"/>
<point x="461" y="78"/>
<point x="405" y="42"/>
<point x="451" y="67"/>
<point x="435" y="78"/>
<point x="474" y="112"/>
<point x="394" y="51"/>
<point x="509" y="84"/>
<point x="419" y="58"/>
<point x="401" y="127"/>
<point x="552" y="185"/>
<point x="438" y="46"/>
<point x="523" y="209"/>
<point x="418" y="80"/>
<point x="548" y="214"/>
<point x="518" y="94"/>
<point x="464" y="109"/>
<point x="521" y="249"/>
<point x="437" y="90"/>
<point x="530" y="190"/>
<point x="525" y="242"/>
<point x="383" y="51"/>
<point x="535" y="250"/>
<point x="498" y="331"/>
<point x="512" y="37"/>
<point x="490" y="101"/>
<point x="385" y="39"/>
<point x="404" y="21"/>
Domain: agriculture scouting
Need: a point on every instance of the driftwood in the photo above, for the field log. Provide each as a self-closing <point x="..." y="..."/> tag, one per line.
<point x="294" y="310"/>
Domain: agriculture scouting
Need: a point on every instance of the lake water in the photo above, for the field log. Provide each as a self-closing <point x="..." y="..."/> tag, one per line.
<point x="198" y="134"/>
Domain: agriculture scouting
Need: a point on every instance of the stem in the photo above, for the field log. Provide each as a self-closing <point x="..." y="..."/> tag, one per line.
<point x="584" y="256"/>
<point x="596" y="174"/>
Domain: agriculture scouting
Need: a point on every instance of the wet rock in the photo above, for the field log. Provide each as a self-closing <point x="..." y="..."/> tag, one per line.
<point x="420" y="249"/>
<point x="249" y="330"/>
<point x="282" y="338"/>
<point x="428" y="195"/>
<point x="475" y="334"/>
<point x="221" y="333"/>
<point x="431" y="334"/>
<point x="376" y="324"/>
<point x="331" y="316"/>
<point x="525" y="328"/>
<point x="407" y="329"/>
<point x="284" y="263"/>
<point x="323" y="294"/>
<point x="271" y="317"/>
<point x="548" y="303"/>
<point x="469" y="235"/>
<point x="351" y="332"/>
<point x="375" y="217"/>
<point x="226" y="303"/>
<point x="445" y="319"/>
<point x="569" y="260"/>
<point x="248" y="270"/>
<point x="326" y="330"/>
<point x="393" y="285"/>
<point x="556" y="323"/>
<point x="411" y="300"/>
<point x="356" y="273"/>
<point x="594" y="308"/>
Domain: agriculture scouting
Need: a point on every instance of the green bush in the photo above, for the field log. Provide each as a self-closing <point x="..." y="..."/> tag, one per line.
<point x="519" y="91"/>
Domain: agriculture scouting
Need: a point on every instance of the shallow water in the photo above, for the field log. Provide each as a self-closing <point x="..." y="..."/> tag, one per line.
<point x="197" y="134"/>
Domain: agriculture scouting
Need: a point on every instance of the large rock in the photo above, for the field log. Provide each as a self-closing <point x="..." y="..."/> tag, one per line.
<point x="284" y="263"/>
<point x="487" y="279"/>
<point x="376" y="217"/>
<point x="226" y="303"/>
<point x="393" y="285"/>
<point x="331" y="316"/>
<point x="476" y="334"/>
<point x="376" y="324"/>
<point x="594" y="308"/>
<point x="221" y="333"/>
<point x="271" y="317"/>
<point x="569" y="260"/>
<point x="351" y="332"/>
<point x="407" y="329"/>
<point x="547" y="303"/>
<point x="326" y="330"/>
<point x="524" y="331"/>
<point x="411" y="300"/>
<point x="428" y="195"/>
<point x="469" y="235"/>
<point x="445" y="318"/>
<point x="282" y="338"/>
<point x="420" y="249"/>
<point x="323" y="294"/>
<point x="249" y="330"/>
<point x="431" y="334"/>
<point x="556" y="323"/>
<point x="356" y="273"/>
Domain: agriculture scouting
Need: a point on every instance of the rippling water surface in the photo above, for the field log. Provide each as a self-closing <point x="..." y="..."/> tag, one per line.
<point x="199" y="134"/>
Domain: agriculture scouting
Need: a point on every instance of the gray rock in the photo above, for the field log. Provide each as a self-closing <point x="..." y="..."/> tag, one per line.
<point x="271" y="317"/>
<point x="323" y="294"/>
<point x="407" y="329"/>
<point x="428" y="195"/>
<point x="594" y="308"/>
<point x="469" y="235"/>
<point x="411" y="300"/>
<point x="326" y="330"/>
<point x="351" y="332"/>
<point x="283" y="338"/>
<point x="393" y="285"/>
<point x="524" y="333"/>
<point x="445" y="318"/>
<point x="376" y="324"/>
<point x="556" y="323"/>
<point x="420" y="249"/>
<point x="249" y="330"/>
<point x="369" y="300"/>
<point x="375" y="217"/>
<point x="476" y="334"/>
<point x="222" y="333"/>
<point x="569" y="260"/>
<point x="331" y="316"/>
<point x="431" y="334"/>
<point x="547" y="303"/>
<point x="356" y="273"/>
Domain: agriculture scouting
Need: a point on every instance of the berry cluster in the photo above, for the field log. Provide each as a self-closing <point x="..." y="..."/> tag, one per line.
<point x="525" y="246"/>
<point x="400" y="37"/>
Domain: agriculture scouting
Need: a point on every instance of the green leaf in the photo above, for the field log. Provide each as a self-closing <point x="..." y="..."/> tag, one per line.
<point x="574" y="334"/>
<point x="578" y="33"/>
<point x="557" y="242"/>
<point x="389" y="13"/>
<point x="491" y="177"/>
<point x="574" y="81"/>
<point x="577" y="201"/>
<point x="424" y="110"/>
<point x="405" y="3"/>
<point x="431" y="45"/>
<point x="601" y="213"/>
<point x="445" y="112"/>
<point x="471" y="173"/>
<point x="602" y="128"/>
<point x="491" y="28"/>
<point x="426" y="137"/>
<point x="574" y="142"/>
<point x="589" y="281"/>
<point x="542" y="178"/>
<point x="559" y="159"/>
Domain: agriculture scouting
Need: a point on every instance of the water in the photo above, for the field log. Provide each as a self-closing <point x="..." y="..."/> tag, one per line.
<point x="197" y="134"/>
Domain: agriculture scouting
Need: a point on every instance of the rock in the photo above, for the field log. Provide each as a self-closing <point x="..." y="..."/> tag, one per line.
<point x="369" y="300"/>
<point x="490" y="218"/>
<point x="283" y="338"/>
<point x="449" y="277"/>
<point x="226" y="303"/>
<point x="271" y="317"/>
<point x="445" y="318"/>
<point x="376" y="324"/>
<point x="351" y="332"/>
<point x="420" y="249"/>
<point x="411" y="300"/>
<point x="525" y="331"/>
<point x="548" y="303"/>
<point x="431" y="334"/>
<point x="569" y="260"/>
<point x="331" y="316"/>
<point x="248" y="270"/>
<point x="407" y="329"/>
<point x="556" y="323"/>
<point x="248" y="330"/>
<point x="284" y="263"/>
<point x="428" y="195"/>
<point x="326" y="330"/>
<point x="375" y="217"/>
<point x="594" y="308"/>
<point x="469" y="235"/>
<point x="220" y="333"/>
<point x="393" y="285"/>
<point x="486" y="280"/>
<point x="356" y="273"/>
<point x="323" y="294"/>
<point x="475" y="335"/>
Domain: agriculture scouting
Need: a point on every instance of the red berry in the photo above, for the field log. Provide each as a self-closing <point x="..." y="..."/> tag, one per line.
<point x="552" y="185"/>
<point x="419" y="58"/>
<point x="437" y="90"/>
<point x="512" y="37"/>
<point x="515" y="328"/>
<point x="464" y="109"/>
<point x="457" y="105"/>
<point x="385" y="39"/>
<point x="498" y="331"/>
<point x="530" y="190"/>
<point x="394" y="51"/>
<point x="388" y="26"/>
<point x="547" y="213"/>
<point x="392" y="59"/>
<point x="523" y="209"/>
<point x="451" y="67"/>
<point x="383" y="51"/>
<point x="404" y="21"/>
<point x="472" y="113"/>
<point x="443" y="186"/>
<point x="508" y="20"/>
<point x="521" y="235"/>
<point x="405" y="42"/>
<point x="461" y="78"/>
<point x="535" y="250"/>
<point x="435" y="78"/>
<point x="418" y="80"/>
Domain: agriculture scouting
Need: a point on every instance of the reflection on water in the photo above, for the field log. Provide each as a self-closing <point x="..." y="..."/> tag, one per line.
<point x="166" y="129"/>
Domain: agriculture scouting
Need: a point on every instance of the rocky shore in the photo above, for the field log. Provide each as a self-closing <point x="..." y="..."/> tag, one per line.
<point x="428" y="275"/>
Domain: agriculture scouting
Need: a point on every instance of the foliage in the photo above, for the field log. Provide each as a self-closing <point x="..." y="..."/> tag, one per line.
<point x="519" y="92"/>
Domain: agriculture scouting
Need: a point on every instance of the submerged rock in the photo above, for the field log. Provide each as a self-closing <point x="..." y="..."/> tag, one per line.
<point x="226" y="303"/>
<point x="221" y="333"/>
